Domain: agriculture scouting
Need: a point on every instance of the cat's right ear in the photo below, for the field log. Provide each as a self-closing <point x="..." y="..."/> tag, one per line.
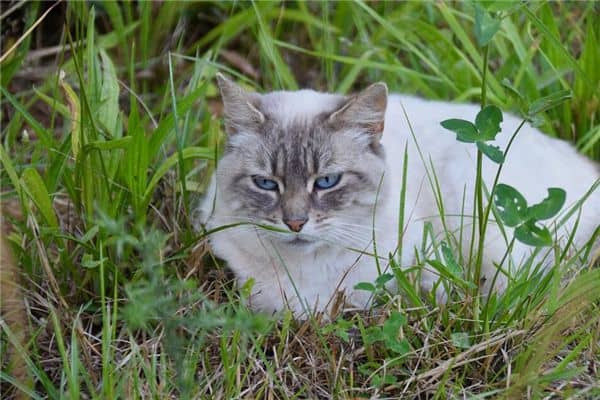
<point x="240" y="107"/>
<point x="365" y="110"/>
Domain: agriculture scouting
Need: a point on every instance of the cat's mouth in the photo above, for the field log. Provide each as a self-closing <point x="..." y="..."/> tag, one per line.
<point x="299" y="240"/>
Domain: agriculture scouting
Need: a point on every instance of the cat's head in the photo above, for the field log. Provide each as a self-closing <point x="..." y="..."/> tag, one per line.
<point x="307" y="162"/>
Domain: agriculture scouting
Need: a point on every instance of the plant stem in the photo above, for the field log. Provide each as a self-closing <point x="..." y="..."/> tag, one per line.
<point x="486" y="51"/>
<point x="484" y="215"/>
<point x="512" y="138"/>
<point x="481" y="223"/>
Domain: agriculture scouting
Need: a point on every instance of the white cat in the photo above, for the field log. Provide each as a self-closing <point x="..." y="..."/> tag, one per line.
<point x="326" y="170"/>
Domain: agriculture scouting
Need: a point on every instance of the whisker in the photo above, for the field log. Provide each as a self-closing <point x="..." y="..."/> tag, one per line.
<point x="352" y="230"/>
<point x="369" y="227"/>
<point x="349" y="236"/>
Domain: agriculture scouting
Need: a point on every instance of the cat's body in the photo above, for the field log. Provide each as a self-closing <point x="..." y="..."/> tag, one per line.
<point x="300" y="142"/>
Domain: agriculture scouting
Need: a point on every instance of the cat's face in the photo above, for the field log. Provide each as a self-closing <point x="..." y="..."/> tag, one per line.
<point x="305" y="162"/>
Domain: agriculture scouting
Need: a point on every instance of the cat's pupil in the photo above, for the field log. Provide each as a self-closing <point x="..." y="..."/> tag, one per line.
<point x="327" y="181"/>
<point x="264" y="183"/>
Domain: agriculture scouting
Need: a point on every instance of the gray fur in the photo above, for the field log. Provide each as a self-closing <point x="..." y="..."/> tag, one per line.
<point x="340" y="136"/>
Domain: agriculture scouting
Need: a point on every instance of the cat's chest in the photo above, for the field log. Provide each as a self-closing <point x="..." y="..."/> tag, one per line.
<point x="302" y="265"/>
<point x="324" y="272"/>
<point x="324" y="260"/>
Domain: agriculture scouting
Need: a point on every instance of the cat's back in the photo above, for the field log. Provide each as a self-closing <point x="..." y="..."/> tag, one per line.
<point x="534" y="162"/>
<point x="532" y="149"/>
<point x="407" y="115"/>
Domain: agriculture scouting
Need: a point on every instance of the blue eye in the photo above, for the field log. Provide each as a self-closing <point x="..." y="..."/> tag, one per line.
<point x="264" y="183"/>
<point x="327" y="181"/>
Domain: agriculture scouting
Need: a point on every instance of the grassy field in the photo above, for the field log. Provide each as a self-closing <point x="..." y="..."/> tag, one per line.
<point x="110" y="128"/>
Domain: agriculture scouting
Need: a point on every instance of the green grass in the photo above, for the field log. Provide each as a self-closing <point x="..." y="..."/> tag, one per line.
<point x="103" y="164"/>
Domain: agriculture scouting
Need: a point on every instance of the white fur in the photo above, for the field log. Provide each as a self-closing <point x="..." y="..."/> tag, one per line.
<point x="318" y="271"/>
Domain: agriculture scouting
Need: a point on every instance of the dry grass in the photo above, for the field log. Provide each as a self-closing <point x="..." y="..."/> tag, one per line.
<point x="122" y="299"/>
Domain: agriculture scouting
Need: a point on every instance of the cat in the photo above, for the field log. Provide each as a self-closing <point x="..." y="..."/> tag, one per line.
<point x="309" y="190"/>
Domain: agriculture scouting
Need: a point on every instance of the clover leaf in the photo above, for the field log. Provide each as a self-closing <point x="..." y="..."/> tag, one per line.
<point x="465" y="131"/>
<point x="511" y="205"/>
<point x="513" y="211"/>
<point x="550" y="206"/>
<point x="545" y="103"/>
<point x="453" y="267"/>
<point x="485" y="26"/>
<point x="533" y="235"/>
<point x="531" y="110"/>
<point x="390" y="332"/>
<point x="486" y="127"/>
<point x="492" y="152"/>
<point x="488" y="121"/>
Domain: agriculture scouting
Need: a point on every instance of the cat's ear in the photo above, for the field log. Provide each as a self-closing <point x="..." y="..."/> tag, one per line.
<point x="240" y="107"/>
<point x="365" y="110"/>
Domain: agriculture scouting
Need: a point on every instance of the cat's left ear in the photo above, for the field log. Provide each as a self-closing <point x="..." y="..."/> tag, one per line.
<point x="365" y="110"/>
<point x="241" y="108"/>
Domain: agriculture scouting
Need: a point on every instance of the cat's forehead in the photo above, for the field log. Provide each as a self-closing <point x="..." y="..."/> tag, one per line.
<point x="299" y="107"/>
<point x="295" y="140"/>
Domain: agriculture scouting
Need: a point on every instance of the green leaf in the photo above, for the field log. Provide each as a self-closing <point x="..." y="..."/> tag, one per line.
<point x="88" y="261"/>
<point x="511" y="205"/>
<point x="108" y="144"/>
<point x="340" y="328"/>
<point x="55" y="170"/>
<point x="548" y="102"/>
<point x="492" y="152"/>
<point x="53" y="103"/>
<point x="488" y="122"/>
<point x="398" y="346"/>
<point x="513" y="91"/>
<point x="451" y="264"/>
<point x="500" y="5"/>
<point x="383" y="279"/>
<point x="485" y="26"/>
<point x="447" y="273"/>
<point x="75" y="110"/>
<point x="536" y="120"/>
<point x="380" y="380"/>
<point x="550" y="206"/>
<point x="246" y="288"/>
<point x="465" y="130"/>
<point x="342" y="334"/>
<point x="391" y="330"/>
<point x="108" y="112"/>
<point x="392" y="325"/>
<point x="533" y="235"/>
<point x="35" y="188"/>
<point x="367" y="286"/>
<point x="373" y="334"/>
<point x="90" y="234"/>
<point x="461" y="340"/>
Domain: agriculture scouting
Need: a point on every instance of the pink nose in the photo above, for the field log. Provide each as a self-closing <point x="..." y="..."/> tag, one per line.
<point x="295" y="224"/>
